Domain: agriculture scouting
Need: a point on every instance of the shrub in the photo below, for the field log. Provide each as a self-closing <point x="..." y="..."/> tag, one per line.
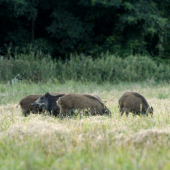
<point x="38" y="67"/>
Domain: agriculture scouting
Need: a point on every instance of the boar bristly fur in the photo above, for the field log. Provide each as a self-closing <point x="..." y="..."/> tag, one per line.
<point x="48" y="102"/>
<point x="26" y="106"/>
<point x="72" y="101"/>
<point x="135" y="103"/>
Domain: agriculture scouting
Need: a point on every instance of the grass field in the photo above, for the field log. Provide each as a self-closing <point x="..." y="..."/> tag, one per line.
<point x="43" y="142"/>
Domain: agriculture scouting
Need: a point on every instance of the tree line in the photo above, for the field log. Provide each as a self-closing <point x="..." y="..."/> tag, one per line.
<point x="91" y="27"/>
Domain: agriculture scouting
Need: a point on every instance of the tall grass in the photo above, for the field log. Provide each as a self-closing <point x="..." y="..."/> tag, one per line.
<point x="97" y="142"/>
<point x="37" y="67"/>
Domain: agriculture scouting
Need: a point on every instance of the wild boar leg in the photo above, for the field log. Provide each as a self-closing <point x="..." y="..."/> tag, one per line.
<point x="60" y="114"/>
<point x="122" y="112"/>
<point x="127" y="110"/>
<point x="127" y="114"/>
<point x="134" y="114"/>
<point x="25" y="114"/>
<point x="69" y="112"/>
<point x="79" y="113"/>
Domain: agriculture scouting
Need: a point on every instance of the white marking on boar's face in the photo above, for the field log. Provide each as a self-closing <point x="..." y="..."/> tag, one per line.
<point x="41" y="102"/>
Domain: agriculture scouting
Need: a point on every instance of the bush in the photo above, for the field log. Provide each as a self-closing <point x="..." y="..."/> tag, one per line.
<point x="38" y="67"/>
<point x="31" y="67"/>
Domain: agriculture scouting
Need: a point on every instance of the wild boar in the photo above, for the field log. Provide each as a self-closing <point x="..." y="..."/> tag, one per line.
<point x="48" y="102"/>
<point x="135" y="103"/>
<point x="26" y="107"/>
<point x="25" y="104"/>
<point x="81" y="102"/>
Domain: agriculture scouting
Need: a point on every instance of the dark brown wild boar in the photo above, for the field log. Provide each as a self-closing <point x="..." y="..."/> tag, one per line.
<point x="135" y="103"/>
<point x="48" y="102"/>
<point x="26" y="107"/>
<point x="72" y="101"/>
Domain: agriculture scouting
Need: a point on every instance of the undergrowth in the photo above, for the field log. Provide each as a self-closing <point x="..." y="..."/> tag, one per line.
<point x="38" y="67"/>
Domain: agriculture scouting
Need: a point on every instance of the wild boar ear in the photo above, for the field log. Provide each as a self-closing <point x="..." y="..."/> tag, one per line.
<point x="152" y="108"/>
<point x="47" y="95"/>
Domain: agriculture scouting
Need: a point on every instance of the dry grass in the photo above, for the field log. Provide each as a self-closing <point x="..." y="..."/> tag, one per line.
<point x="94" y="142"/>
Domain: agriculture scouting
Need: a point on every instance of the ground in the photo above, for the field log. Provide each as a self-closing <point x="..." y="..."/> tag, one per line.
<point x="98" y="142"/>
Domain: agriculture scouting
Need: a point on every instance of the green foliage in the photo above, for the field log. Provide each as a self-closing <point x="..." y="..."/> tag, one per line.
<point x="37" y="67"/>
<point x="43" y="45"/>
<point x="31" y="67"/>
<point x="89" y="27"/>
<point x="113" y="69"/>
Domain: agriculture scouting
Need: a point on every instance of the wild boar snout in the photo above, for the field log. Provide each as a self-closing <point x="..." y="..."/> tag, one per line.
<point x="35" y="105"/>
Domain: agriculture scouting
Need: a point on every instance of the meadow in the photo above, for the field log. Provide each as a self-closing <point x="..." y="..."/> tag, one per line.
<point x="40" y="141"/>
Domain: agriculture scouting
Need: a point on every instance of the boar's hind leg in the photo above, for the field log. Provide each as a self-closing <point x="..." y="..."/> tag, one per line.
<point x="69" y="112"/>
<point x="73" y="111"/>
<point x="26" y="113"/>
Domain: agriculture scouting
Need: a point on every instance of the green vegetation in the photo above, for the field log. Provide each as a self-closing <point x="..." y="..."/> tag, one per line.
<point x="127" y="27"/>
<point x="98" y="142"/>
<point x="38" y="67"/>
<point x="103" y="47"/>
